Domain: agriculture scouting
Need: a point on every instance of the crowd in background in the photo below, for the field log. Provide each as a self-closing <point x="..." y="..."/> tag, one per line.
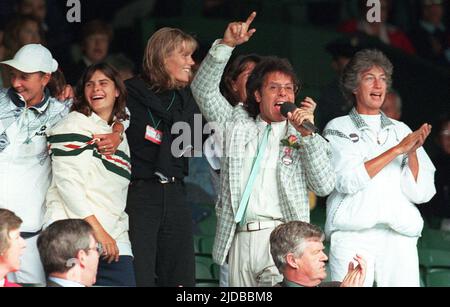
<point x="416" y="27"/>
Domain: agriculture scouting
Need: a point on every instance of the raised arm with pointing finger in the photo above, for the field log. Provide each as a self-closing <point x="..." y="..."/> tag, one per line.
<point x="205" y="86"/>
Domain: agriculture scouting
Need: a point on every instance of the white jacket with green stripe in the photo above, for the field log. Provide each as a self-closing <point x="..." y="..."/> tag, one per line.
<point x="86" y="183"/>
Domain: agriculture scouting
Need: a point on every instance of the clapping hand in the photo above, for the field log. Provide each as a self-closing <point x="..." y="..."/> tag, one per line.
<point x="356" y="274"/>
<point x="414" y="140"/>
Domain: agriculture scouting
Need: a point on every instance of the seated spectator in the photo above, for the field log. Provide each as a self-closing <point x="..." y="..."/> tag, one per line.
<point x="430" y="37"/>
<point x="297" y="250"/>
<point x="392" y="106"/>
<point x="386" y="32"/>
<point x="12" y="246"/>
<point x="2" y="46"/>
<point x="96" y="37"/>
<point x="69" y="253"/>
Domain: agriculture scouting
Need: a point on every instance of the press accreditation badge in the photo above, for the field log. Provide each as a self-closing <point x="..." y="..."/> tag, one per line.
<point x="153" y="135"/>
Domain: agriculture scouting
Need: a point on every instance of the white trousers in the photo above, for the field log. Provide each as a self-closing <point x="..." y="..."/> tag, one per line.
<point x="392" y="258"/>
<point x="31" y="270"/>
<point x="250" y="261"/>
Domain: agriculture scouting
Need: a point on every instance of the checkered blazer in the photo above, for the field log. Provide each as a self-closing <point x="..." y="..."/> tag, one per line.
<point x="311" y="167"/>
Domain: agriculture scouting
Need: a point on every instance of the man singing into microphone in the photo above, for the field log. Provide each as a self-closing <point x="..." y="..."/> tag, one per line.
<point x="269" y="162"/>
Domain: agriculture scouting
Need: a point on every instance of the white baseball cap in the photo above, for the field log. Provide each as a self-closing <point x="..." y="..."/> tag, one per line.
<point x="33" y="58"/>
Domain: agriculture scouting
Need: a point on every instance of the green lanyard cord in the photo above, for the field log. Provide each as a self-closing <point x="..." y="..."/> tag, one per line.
<point x="156" y="125"/>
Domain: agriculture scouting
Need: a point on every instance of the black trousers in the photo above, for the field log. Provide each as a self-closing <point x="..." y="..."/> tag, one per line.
<point x="161" y="234"/>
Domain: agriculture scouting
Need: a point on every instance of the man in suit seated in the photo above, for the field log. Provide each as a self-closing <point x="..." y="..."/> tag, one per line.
<point x="297" y="250"/>
<point x="69" y="254"/>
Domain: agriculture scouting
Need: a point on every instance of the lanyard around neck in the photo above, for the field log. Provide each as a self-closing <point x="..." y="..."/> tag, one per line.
<point x="156" y="125"/>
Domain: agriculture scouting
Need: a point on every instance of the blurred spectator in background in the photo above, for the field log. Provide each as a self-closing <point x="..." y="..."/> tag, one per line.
<point x="386" y="32"/>
<point x="51" y="14"/>
<point x="88" y="186"/>
<point x="392" y="106"/>
<point x="12" y="246"/>
<point x="20" y="31"/>
<point x="69" y="253"/>
<point x="2" y="55"/>
<point x="96" y="37"/>
<point x="430" y="37"/>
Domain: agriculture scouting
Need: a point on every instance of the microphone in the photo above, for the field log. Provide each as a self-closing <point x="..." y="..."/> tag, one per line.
<point x="287" y="107"/>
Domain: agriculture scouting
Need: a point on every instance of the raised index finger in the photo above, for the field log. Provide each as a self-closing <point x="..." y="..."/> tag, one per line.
<point x="250" y="19"/>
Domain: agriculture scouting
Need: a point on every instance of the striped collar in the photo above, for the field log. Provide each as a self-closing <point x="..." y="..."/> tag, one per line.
<point x="362" y="125"/>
